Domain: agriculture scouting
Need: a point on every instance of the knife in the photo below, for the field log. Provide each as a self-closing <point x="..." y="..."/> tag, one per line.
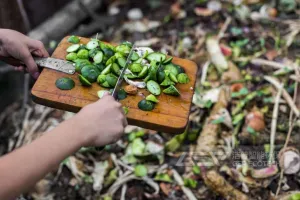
<point x="51" y="63"/>
<point x="121" y="77"/>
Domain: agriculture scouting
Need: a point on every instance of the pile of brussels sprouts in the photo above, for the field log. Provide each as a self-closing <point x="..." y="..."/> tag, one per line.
<point x="102" y="63"/>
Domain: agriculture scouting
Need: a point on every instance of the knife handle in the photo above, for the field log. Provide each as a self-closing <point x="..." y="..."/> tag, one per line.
<point x="11" y="61"/>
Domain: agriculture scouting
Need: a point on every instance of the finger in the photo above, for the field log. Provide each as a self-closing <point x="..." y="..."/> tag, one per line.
<point x="38" y="47"/>
<point x="125" y="122"/>
<point x="27" y="59"/>
<point x="19" y="68"/>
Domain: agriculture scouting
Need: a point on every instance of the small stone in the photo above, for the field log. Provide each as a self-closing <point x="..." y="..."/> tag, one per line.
<point x="187" y="42"/>
<point x="214" y="6"/>
<point x="135" y="14"/>
<point x="113" y="10"/>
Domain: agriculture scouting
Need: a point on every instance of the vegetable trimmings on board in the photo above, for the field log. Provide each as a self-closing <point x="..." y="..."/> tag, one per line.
<point x="102" y="63"/>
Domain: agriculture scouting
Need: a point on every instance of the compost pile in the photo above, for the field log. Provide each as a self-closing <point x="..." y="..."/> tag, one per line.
<point x="242" y="140"/>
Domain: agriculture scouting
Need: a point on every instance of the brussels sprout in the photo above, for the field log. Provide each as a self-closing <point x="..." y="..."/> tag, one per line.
<point x="180" y="69"/>
<point x="111" y="79"/>
<point x="135" y="67"/>
<point x="124" y="49"/>
<point x="111" y="60"/>
<point x="108" y="52"/>
<point x="65" y="83"/>
<point x="127" y="44"/>
<point x="73" y="48"/>
<point x="146" y="105"/>
<point x="100" y="67"/>
<point x="106" y="70"/>
<point x="172" y="68"/>
<point x="167" y="82"/>
<point x="101" y="93"/>
<point x="158" y="57"/>
<point x="98" y="57"/>
<point x="131" y="76"/>
<point x="93" y="52"/>
<point x="116" y="69"/>
<point x="80" y="63"/>
<point x="172" y="90"/>
<point x="74" y="39"/>
<point x="183" y="78"/>
<point x="168" y="60"/>
<point x="152" y="98"/>
<point x="90" y="72"/>
<point x="118" y="55"/>
<point x="173" y="78"/>
<point x="122" y="61"/>
<point x="160" y="76"/>
<point x="83" y="54"/>
<point x="101" y="79"/>
<point x="84" y="81"/>
<point x="71" y="56"/>
<point x="105" y="84"/>
<point x="143" y="73"/>
<point x="122" y="94"/>
<point x="153" y="87"/>
<point x="92" y="44"/>
<point x="82" y="46"/>
<point x="134" y="56"/>
<point x="140" y="170"/>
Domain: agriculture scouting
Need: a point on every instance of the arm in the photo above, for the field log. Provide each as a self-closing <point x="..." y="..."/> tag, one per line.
<point x="22" y="168"/>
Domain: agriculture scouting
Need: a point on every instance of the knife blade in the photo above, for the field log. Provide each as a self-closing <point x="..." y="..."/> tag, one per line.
<point x="51" y="63"/>
<point x="121" y="77"/>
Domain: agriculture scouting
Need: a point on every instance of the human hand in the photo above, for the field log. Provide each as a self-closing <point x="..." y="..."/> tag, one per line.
<point x="101" y="123"/>
<point x="21" y="47"/>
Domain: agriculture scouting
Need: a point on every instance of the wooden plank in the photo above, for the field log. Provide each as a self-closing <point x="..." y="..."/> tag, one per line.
<point x="170" y="114"/>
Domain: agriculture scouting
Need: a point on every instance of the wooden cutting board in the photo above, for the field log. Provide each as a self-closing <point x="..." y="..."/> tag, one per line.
<point x="170" y="114"/>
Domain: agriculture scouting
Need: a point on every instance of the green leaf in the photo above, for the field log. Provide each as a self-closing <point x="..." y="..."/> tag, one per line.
<point x="138" y="146"/>
<point x="218" y="121"/>
<point x="88" y="179"/>
<point x="126" y="110"/>
<point x="295" y="196"/>
<point x="112" y="176"/>
<point x="191" y="183"/>
<point x="163" y="177"/>
<point x="140" y="170"/>
<point x="238" y="118"/>
<point x="244" y="91"/>
<point x="239" y="43"/>
<point x="122" y="94"/>
<point x="252" y="131"/>
<point x="208" y="104"/>
<point x="268" y="100"/>
<point x="175" y="143"/>
<point x="236" y="31"/>
<point x="196" y="170"/>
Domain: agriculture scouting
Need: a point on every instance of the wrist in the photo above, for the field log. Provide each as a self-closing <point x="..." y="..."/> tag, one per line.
<point x="76" y="132"/>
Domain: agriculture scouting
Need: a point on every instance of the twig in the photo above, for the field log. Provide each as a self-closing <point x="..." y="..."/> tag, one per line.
<point x="204" y="72"/>
<point x="123" y="193"/>
<point x="180" y="182"/>
<point x="274" y="124"/>
<point x="285" y="94"/>
<point x="24" y="127"/>
<point x="25" y="92"/>
<point x="259" y="61"/>
<point x="291" y="126"/>
<point x="224" y="28"/>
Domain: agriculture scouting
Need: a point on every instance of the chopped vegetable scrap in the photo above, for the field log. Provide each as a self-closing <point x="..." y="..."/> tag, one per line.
<point x="102" y="63"/>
